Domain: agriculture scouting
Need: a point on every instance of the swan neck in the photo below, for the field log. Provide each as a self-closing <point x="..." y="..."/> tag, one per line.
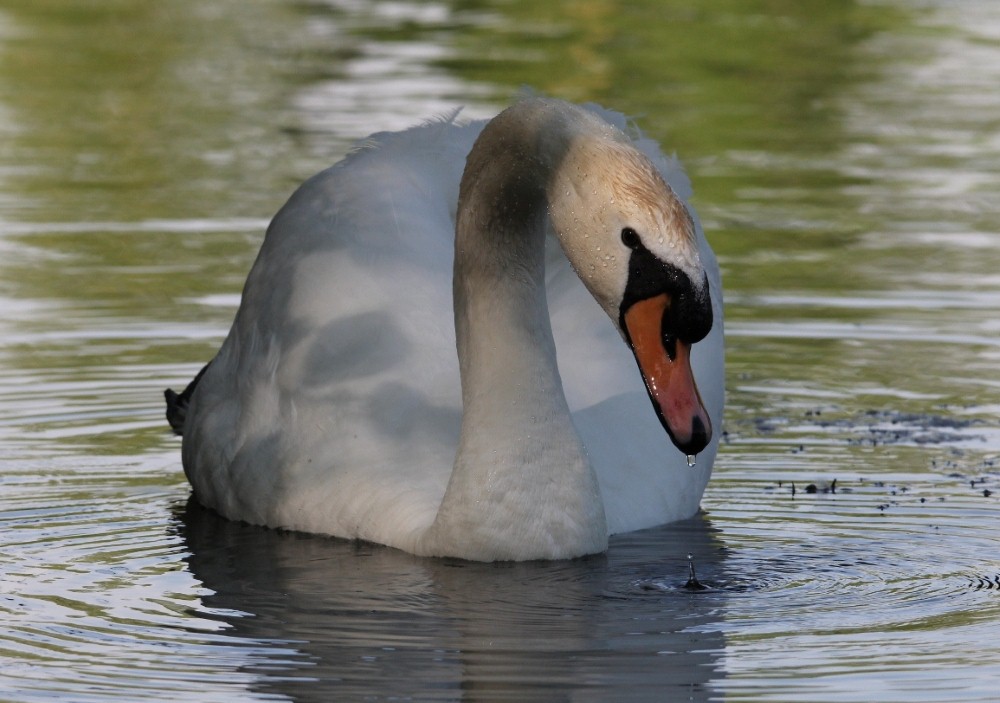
<point x="522" y="486"/>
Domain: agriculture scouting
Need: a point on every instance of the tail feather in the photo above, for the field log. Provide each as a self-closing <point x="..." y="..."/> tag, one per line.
<point x="177" y="403"/>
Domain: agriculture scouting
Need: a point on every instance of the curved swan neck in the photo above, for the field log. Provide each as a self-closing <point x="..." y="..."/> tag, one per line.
<point x="522" y="486"/>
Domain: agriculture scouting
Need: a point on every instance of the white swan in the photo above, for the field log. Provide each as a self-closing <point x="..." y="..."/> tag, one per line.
<point x="337" y="403"/>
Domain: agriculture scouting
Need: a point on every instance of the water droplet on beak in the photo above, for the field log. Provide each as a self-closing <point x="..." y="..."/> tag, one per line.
<point x="692" y="459"/>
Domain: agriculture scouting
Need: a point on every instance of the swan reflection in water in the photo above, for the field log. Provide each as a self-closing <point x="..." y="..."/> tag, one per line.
<point x="332" y="619"/>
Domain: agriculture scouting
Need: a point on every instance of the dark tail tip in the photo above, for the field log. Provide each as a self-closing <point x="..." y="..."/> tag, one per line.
<point x="176" y="410"/>
<point x="177" y="403"/>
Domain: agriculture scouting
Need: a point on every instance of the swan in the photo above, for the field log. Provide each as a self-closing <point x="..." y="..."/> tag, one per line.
<point x="337" y="403"/>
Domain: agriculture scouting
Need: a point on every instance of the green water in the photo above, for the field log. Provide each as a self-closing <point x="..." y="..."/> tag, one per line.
<point x="845" y="163"/>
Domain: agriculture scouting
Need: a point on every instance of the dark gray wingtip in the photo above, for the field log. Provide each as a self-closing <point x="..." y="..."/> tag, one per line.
<point x="177" y="403"/>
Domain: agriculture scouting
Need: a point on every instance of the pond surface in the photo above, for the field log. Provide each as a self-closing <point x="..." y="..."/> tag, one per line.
<point x="846" y="163"/>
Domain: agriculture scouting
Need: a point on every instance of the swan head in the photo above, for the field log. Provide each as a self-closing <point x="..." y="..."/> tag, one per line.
<point x="633" y="243"/>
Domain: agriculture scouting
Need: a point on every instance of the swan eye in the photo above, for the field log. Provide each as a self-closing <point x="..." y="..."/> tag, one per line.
<point x="630" y="238"/>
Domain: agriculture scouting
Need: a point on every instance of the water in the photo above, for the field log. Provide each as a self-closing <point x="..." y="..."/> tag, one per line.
<point x="845" y="160"/>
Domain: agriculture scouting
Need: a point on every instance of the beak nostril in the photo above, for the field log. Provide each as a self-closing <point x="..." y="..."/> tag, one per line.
<point x="670" y="346"/>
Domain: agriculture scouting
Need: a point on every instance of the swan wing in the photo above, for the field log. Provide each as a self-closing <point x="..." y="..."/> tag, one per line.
<point x="335" y="399"/>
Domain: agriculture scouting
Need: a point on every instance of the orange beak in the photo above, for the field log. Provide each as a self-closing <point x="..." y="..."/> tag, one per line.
<point x="665" y="364"/>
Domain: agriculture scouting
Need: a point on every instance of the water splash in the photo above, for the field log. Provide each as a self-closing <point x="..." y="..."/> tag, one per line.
<point x="693" y="584"/>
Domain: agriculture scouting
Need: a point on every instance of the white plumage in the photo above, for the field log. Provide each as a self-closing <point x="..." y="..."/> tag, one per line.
<point x="335" y="404"/>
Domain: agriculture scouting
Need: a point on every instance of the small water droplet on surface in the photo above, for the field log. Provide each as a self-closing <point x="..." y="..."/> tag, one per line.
<point x="692" y="459"/>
